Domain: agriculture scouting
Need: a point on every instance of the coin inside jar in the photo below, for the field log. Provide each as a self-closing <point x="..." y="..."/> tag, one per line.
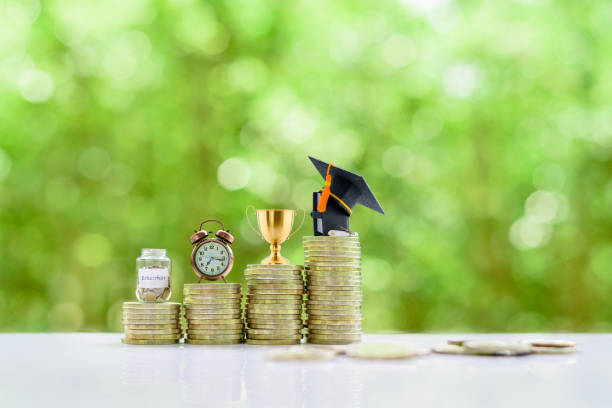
<point x="154" y="278"/>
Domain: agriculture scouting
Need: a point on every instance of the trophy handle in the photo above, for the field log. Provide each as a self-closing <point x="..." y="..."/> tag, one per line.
<point x="301" y="223"/>
<point x="249" y="221"/>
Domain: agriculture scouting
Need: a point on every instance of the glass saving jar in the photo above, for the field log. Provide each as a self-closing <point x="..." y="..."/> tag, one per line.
<point x="154" y="276"/>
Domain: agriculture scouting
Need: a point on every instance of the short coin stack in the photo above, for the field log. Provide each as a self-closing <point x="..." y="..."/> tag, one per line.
<point x="333" y="282"/>
<point x="152" y="323"/>
<point x="274" y="304"/>
<point x="214" y="313"/>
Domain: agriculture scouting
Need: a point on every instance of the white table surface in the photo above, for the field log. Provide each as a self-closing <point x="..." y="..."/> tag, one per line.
<point x="96" y="370"/>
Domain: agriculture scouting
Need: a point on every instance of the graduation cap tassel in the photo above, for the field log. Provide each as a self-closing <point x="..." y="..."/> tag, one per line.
<point x="322" y="206"/>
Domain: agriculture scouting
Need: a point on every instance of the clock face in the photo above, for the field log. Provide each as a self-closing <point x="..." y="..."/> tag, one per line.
<point x="212" y="258"/>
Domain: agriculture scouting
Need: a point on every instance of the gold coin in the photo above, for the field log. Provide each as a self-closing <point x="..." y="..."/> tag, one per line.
<point x="212" y="342"/>
<point x="209" y="308"/>
<point x="331" y="342"/>
<point x="260" y="297"/>
<point x="230" y="326"/>
<point x="129" y="322"/>
<point x="213" y="296"/>
<point x="550" y="343"/>
<point x="279" y="273"/>
<point x="289" y="282"/>
<point x="274" y="336"/>
<point x="193" y="292"/>
<point x="292" y="316"/>
<point x="253" y="291"/>
<point x="149" y="342"/>
<point x="325" y="298"/>
<point x="308" y="258"/>
<point x="334" y="263"/>
<point x="290" y="304"/>
<point x="329" y="238"/>
<point x="272" y="331"/>
<point x="274" y="278"/>
<point x="269" y="302"/>
<point x="334" y="268"/>
<point x="333" y="303"/>
<point x="333" y="278"/>
<point x="313" y="249"/>
<point x="212" y="286"/>
<point x="331" y="250"/>
<point x="191" y="316"/>
<point x="148" y="314"/>
<point x="212" y="311"/>
<point x="204" y="322"/>
<point x="333" y="320"/>
<point x="268" y="286"/>
<point x="351" y="332"/>
<point x="153" y="331"/>
<point x="176" y="325"/>
<point x="291" y="326"/>
<point x="334" y="274"/>
<point x="334" y="284"/>
<point x="215" y="302"/>
<point x="273" y="266"/>
<point x="284" y="311"/>
<point x="271" y="342"/>
<point x="332" y="247"/>
<point x="213" y="332"/>
<point x="215" y="336"/>
<point x="145" y="320"/>
<point x="332" y="327"/>
<point x="310" y="306"/>
<point x="275" y="322"/>
<point x="295" y="312"/>
<point x="212" y="292"/>
<point x="294" y="307"/>
<point x="334" y="314"/>
<point x="308" y="243"/>
<point x="339" y="336"/>
<point x="497" y="348"/>
<point x="155" y="306"/>
<point x="173" y="336"/>
<point x="334" y="290"/>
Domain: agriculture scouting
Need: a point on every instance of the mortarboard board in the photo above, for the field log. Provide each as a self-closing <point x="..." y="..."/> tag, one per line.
<point x="343" y="190"/>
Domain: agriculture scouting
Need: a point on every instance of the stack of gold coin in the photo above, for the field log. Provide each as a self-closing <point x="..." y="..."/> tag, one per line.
<point x="214" y="313"/>
<point x="274" y="304"/>
<point x="333" y="282"/>
<point x="152" y="323"/>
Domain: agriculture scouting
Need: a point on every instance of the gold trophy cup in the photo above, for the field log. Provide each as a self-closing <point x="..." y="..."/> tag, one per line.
<point x="275" y="227"/>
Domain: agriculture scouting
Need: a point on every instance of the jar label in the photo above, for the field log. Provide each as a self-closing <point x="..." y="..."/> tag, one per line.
<point x="152" y="278"/>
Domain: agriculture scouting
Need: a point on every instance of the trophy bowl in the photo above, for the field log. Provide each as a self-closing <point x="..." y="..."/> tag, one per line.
<point x="275" y="227"/>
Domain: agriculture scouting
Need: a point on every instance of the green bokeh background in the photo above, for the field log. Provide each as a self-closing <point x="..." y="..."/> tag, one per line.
<point x="484" y="129"/>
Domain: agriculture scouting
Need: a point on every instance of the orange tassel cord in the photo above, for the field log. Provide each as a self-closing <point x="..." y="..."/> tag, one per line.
<point x="322" y="206"/>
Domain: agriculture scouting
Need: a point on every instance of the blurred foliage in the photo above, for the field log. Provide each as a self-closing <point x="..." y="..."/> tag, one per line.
<point x="484" y="129"/>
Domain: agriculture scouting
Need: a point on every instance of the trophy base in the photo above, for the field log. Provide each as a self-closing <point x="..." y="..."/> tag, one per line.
<point x="275" y="259"/>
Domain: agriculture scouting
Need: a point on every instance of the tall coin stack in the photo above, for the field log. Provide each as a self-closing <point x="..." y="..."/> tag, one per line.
<point x="214" y="313"/>
<point x="152" y="323"/>
<point x="333" y="282"/>
<point x="274" y="304"/>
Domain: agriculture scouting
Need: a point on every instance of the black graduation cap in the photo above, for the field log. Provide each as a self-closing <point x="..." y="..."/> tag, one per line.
<point x="343" y="190"/>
